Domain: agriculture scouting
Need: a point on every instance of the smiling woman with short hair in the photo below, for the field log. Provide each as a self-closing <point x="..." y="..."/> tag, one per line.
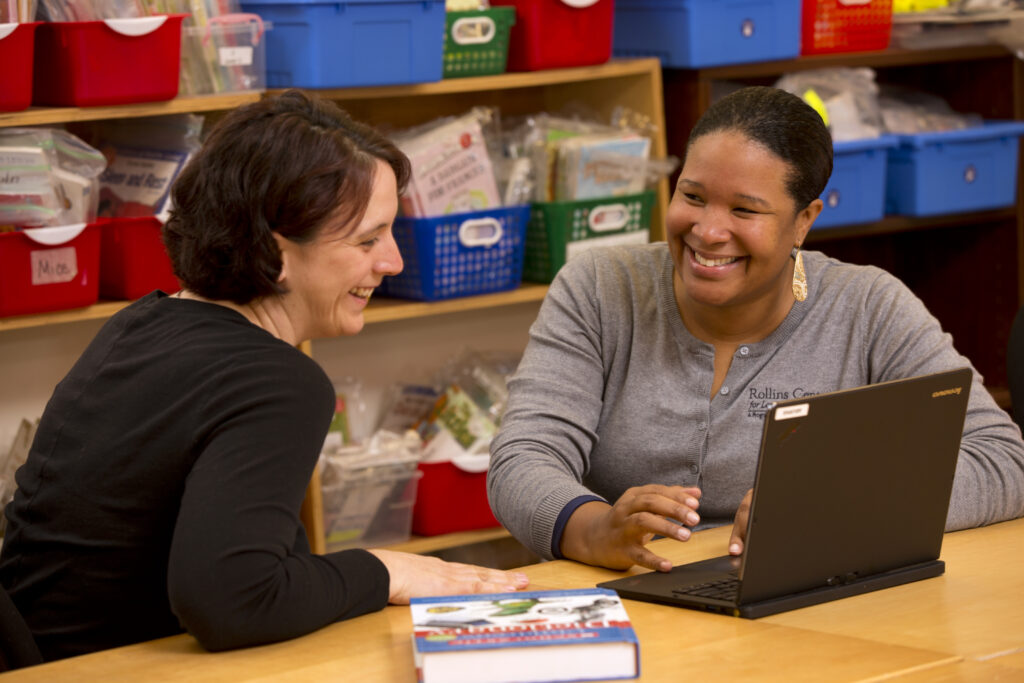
<point x="637" y="408"/>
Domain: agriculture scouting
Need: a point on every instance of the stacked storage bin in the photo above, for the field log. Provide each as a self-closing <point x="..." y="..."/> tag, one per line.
<point x="972" y="169"/>
<point x="49" y="269"/>
<point x="476" y="42"/>
<point x="113" y="61"/>
<point x="461" y="254"/>
<point x="845" y="25"/>
<point x="856" y="190"/>
<point x="560" y="230"/>
<point x="703" y="33"/>
<point x="16" y="50"/>
<point x="133" y="261"/>
<point x="552" y="34"/>
<point x="345" y="44"/>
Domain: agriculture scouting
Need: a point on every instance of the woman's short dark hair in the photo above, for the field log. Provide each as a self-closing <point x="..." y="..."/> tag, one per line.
<point x="284" y="164"/>
<point x="785" y="125"/>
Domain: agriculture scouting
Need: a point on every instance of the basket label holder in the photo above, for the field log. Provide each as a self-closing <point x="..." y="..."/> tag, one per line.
<point x="473" y="30"/>
<point x="480" y="232"/>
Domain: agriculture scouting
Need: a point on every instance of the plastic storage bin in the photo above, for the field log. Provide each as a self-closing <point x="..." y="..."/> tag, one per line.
<point x="856" y="191"/>
<point x="368" y="503"/>
<point x="114" y="61"/>
<point x="49" y="269"/>
<point x="228" y="55"/>
<point x="551" y="34"/>
<point x="845" y="25"/>
<point x="476" y="43"/>
<point x="344" y="44"/>
<point x="133" y="261"/>
<point x="16" y="48"/>
<point x="560" y="230"/>
<point x="462" y="254"/>
<point x="700" y="33"/>
<point x="451" y="499"/>
<point x="953" y="171"/>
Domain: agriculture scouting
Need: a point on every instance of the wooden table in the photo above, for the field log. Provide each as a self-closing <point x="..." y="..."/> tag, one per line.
<point x="967" y="625"/>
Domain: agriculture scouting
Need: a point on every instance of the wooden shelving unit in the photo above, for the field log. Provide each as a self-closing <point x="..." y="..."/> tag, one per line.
<point x="635" y="84"/>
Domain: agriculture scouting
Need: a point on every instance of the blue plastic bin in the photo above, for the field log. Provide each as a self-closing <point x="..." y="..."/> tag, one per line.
<point x="856" y="191"/>
<point x="700" y="33"/>
<point x="461" y="254"/>
<point x="954" y="171"/>
<point x="345" y="44"/>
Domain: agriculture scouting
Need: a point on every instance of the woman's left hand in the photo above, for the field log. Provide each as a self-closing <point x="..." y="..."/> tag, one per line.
<point x="418" y="576"/>
<point x="739" y="525"/>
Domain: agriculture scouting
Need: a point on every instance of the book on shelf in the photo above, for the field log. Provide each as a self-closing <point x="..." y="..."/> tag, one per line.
<point x="580" y="634"/>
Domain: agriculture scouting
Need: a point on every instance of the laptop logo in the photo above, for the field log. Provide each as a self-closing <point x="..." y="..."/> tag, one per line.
<point x="789" y="412"/>
<point x="947" y="392"/>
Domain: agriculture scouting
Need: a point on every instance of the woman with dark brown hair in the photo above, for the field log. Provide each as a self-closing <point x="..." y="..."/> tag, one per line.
<point x="163" y="489"/>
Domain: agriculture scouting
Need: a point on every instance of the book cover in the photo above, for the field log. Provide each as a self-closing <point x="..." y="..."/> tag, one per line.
<point x="601" y="165"/>
<point x="547" y="635"/>
<point x="451" y="171"/>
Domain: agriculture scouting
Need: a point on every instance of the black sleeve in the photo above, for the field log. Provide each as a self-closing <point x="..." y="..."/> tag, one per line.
<point x="240" y="569"/>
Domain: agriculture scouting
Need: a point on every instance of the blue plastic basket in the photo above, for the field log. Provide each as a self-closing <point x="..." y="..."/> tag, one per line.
<point x="462" y="254"/>
<point x="856" y="191"/>
<point x="953" y="171"/>
<point x="700" y="33"/>
<point x="318" y="44"/>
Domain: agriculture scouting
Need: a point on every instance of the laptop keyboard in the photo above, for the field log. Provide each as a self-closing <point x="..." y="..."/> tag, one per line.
<point x="719" y="589"/>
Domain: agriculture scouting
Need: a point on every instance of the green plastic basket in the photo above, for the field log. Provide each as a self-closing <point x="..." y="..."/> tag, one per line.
<point x="476" y="42"/>
<point x="559" y="230"/>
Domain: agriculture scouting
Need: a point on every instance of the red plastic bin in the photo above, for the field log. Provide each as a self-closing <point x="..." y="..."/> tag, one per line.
<point x="16" y="41"/>
<point x="845" y="25"/>
<point x="450" y="499"/>
<point x="552" y="34"/>
<point x="133" y="260"/>
<point x="49" y="269"/>
<point x="114" y="61"/>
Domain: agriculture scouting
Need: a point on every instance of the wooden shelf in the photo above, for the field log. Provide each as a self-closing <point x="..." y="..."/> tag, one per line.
<point x="893" y="224"/>
<point x="891" y="57"/>
<point x="506" y="81"/>
<point x="34" y="116"/>
<point x="380" y="310"/>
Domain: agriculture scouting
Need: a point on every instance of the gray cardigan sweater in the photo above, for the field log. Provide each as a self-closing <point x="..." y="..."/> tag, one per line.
<point x="613" y="391"/>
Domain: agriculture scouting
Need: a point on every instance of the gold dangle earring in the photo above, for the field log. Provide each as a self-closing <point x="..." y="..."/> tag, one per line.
<point x="799" y="277"/>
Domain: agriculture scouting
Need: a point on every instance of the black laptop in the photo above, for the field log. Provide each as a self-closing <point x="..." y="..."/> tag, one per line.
<point x="850" y="496"/>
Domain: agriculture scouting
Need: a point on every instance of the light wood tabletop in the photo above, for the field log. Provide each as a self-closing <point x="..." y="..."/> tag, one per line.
<point x="966" y="625"/>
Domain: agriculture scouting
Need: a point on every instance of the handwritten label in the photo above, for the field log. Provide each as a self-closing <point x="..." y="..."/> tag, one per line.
<point x="235" y="56"/>
<point x="53" y="266"/>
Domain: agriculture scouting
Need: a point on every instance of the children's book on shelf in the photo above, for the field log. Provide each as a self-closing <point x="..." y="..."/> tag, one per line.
<point x="580" y="634"/>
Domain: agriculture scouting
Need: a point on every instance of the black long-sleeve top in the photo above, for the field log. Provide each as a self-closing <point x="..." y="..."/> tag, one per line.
<point x="163" y="491"/>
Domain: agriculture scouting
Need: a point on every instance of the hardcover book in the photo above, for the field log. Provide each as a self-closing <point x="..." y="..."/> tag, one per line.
<point x="549" y="635"/>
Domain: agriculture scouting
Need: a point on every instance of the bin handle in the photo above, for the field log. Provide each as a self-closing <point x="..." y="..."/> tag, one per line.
<point x="52" y="236"/>
<point x="480" y="232"/>
<point x="7" y="29"/>
<point x="854" y="2"/>
<point x="473" y="30"/>
<point x="608" y="217"/>
<point x="135" y="26"/>
<point x="580" y="4"/>
<point x="236" y="18"/>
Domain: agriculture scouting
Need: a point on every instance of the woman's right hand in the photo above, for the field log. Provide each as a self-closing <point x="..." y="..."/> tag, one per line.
<point x="418" y="576"/>
<point x="615" y="536"/>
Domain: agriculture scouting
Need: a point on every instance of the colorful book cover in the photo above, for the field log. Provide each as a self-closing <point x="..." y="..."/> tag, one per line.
<point x="597" y="166"/>
<point x="546" y="635"/>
